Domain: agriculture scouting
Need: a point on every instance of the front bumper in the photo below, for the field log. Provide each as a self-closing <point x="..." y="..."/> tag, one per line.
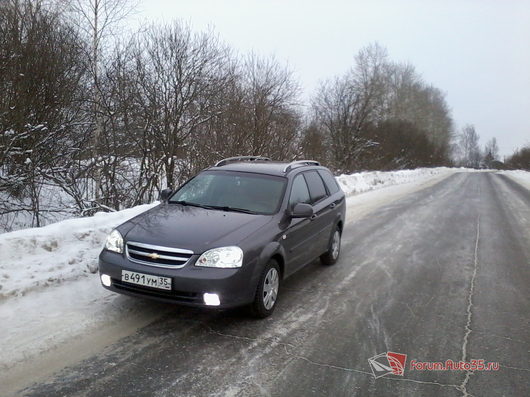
<point x="235" y="287"/>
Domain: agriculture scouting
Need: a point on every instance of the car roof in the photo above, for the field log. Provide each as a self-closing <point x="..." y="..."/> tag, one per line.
<point x="262" y="167"/>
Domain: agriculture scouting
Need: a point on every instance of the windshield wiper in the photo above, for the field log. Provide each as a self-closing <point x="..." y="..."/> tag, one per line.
<point x="233" y="209"/>
<point x="214" y="207"/>
<point x="182" y="202"/>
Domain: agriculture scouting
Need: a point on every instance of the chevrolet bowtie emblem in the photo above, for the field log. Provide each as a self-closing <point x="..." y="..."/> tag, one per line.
<point x="154" y="255"/>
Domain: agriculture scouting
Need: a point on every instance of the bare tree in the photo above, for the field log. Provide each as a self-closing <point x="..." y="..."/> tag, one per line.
<point x="314" y="143"/>
<point x="270" y="98"/>
<point x="257" y="113"/>
<point x="345" y="106"/>
<point x="520" y="159"/>
<point x="378" y="97"/>
<point x="491" y="152"/>
<point x="411" y="99"/>
<point x="41" y="79"/>
<point x="179" y="76"/>
<point x="470" y="155"/>
<point x="96" y="19"/>
<point x="400" y="144"/>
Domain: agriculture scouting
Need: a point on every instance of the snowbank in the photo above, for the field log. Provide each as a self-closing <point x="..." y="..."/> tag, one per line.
<point x="365" y="181"/>
<point x="523" y="177"/>
<point x="63" y="251"/>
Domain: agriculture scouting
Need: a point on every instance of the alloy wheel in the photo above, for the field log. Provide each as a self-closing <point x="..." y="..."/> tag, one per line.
<point x="271" y="285"/>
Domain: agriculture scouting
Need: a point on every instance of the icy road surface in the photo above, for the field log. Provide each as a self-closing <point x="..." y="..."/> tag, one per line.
<point x="437" y="273"/>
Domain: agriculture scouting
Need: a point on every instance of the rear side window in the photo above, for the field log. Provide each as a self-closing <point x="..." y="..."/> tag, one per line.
<point x="329" y="180"/>
<point x="317" y="191"/>
<point x="299" y="192"/>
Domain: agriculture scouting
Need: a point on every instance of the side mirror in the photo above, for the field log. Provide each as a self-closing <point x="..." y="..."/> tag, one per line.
<point x="302" y="210"/>
<point x="164" y="194"/>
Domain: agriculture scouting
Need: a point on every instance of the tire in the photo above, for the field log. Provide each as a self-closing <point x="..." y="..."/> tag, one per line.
<point x="267" y="292"/>
<point x="331" y="256"/>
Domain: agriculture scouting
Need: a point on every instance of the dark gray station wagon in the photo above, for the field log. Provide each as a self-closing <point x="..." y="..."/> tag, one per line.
<point x="228" y="236"/>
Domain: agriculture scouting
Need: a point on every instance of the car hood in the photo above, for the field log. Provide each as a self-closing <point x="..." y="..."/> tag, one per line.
<point x="192" y="228"/>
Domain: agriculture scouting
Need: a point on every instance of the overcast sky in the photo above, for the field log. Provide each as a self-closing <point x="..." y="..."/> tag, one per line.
<point x="478" y="52"/>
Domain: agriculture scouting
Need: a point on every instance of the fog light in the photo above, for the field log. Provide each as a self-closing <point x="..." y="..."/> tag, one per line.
<point x="105" y="280"/>
<point x="211" y="299"/>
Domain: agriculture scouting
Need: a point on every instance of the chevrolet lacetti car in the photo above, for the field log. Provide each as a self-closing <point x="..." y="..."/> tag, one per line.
<point x="228" y="236"/>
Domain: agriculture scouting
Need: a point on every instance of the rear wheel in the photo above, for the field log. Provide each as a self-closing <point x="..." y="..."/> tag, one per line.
<point x="331" y="256"/>
<point x="267" y="293"/>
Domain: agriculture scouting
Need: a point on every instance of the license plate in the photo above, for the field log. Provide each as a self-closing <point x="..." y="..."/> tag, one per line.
<point x="146" y="280"/>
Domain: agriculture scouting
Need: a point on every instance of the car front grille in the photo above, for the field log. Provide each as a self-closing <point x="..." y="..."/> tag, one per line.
<point x="154" y="255"/>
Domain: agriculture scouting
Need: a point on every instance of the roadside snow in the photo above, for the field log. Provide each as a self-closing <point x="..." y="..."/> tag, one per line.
<point x="45" y="330"/>
<point x="64" y="251"/>
<point x="523" y="177"/>
<point x="48" y="294"/>
<point x="364" y="181"/>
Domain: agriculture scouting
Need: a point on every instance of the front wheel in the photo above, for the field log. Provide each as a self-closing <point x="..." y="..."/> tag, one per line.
<point x="267" y="293"/>
<point x="331" y="256"/>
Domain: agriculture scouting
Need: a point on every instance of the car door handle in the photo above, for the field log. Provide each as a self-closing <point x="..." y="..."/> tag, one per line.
<point x="332" y="205"/>
<point x="314" y="216"/>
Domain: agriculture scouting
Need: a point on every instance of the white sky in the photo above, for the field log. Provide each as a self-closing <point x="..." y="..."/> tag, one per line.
<point x="478" y="52"/>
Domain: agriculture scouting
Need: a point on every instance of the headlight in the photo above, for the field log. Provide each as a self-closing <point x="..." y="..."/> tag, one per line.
<point x="114" y="242"/>
<point x="224" y="257"/>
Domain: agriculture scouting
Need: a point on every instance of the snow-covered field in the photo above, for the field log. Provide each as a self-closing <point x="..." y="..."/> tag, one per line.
<point x="49" y="292"/>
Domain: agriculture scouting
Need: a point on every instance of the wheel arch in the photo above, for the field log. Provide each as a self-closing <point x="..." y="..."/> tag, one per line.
<point x="275" y="251"/>
<point x="281" y="263"/>
<point x="340" y="225"/>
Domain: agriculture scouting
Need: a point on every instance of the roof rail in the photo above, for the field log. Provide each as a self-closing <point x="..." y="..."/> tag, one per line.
<point x="240" y="158"/>
<point x="300" y="163"/>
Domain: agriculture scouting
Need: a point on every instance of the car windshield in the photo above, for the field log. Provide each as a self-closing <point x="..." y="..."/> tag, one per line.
<point x="232" y="191"/>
